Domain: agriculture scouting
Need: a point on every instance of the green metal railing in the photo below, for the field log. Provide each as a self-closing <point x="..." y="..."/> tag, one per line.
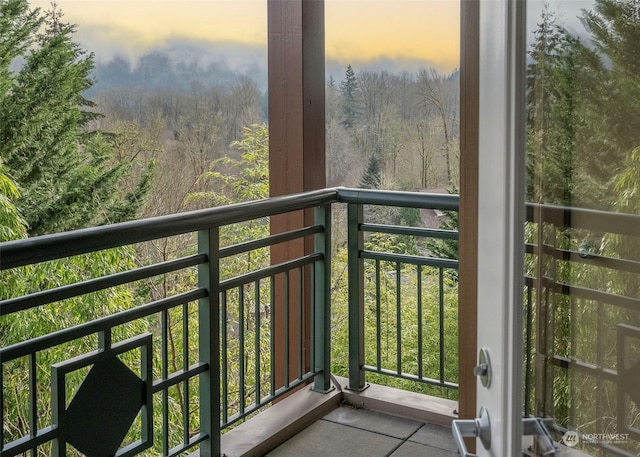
<point x="187" y="364"/>
<point x="363" y="260"/>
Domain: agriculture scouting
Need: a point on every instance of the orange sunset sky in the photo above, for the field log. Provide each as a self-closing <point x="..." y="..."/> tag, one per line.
<point x="361" y="29"/>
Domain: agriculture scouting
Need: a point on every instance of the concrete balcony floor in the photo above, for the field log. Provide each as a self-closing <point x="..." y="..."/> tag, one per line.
<point x="360" y="432"/>
<point x="379" y="421"/>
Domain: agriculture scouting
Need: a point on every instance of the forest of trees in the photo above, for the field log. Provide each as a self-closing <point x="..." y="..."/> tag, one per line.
<point x="405" y="124"/>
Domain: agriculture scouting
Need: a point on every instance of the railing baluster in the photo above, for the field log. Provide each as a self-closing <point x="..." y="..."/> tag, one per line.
<point x="165" y="375"/>
<point x="146" y="373"/>
<point x="272" y="335"/>
<point x="224" y="336"/>
<point x="419" y="301"/>
<point x="398" y="319"/>
<point x="322" y="302"/>
<point x="209" y="338"/>
<point x="33" y="398"/>
<point x="441" y="320"/>
<point x="528" y="355"/>
<point x="378" y="319"/>
<point x="355" y="268"/>
<point x="241" y="352"/>
<point x="299" y="315"/>
<point x="257" y="339"/>
<point x="185" y="366"/>
<point x="312" y="329"/>
<point x="287" y="374"/>
<point x="600" y="339"/>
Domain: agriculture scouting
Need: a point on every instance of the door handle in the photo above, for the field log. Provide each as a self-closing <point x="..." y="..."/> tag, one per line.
<point x="479" y="427"/>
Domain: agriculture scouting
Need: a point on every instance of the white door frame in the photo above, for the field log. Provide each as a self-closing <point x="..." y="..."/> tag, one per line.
<point x="500" y="219"/>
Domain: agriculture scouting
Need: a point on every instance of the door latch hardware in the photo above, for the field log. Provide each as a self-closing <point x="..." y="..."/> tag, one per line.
<point x="483" y="370"/>
<point x="479" y="427"/>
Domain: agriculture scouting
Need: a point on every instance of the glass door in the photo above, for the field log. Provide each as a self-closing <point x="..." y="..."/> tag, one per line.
<point x="559" y="230"/>
<point x="582" y="283"/>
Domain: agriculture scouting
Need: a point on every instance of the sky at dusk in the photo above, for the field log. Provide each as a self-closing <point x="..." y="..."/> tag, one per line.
<point x="426" y="30"/>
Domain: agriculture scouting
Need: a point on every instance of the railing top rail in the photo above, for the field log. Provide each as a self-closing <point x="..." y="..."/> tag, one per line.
<point x="59" y="245"/>
<point x="398" y="198"/>
<point x="582" y="218"/>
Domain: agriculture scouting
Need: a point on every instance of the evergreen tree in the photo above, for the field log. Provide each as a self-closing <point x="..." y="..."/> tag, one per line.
<point x="371" y="179"/>
<point x="615" y="29"/>
<point x="349" y="91"/>
<point x="67" y="177"/>
<point x="551" y="95"/>
<point x="331" y="83"/>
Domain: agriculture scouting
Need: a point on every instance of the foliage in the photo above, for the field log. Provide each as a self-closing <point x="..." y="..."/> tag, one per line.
<point x="56" y="176"/>
<point x="67" y="177"/>
<point x="446" y="249"/>
<point x="246" y="178"/>
<point x="615" y="30"/>
<point x="31" y="323"/>
<point x="243" y="179"/>
<point x="12" y="224"/>
<point x="194" y="118"/>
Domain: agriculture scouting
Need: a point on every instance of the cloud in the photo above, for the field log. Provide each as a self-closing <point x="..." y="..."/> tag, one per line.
<point x="107" y="42"/>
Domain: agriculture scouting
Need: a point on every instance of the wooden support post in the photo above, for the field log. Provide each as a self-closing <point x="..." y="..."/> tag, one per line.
<point x="468" y="246"/>
<point x="296" y="144"/>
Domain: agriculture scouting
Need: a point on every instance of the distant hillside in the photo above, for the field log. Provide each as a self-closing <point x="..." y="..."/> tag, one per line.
<point x="179" y="63"/>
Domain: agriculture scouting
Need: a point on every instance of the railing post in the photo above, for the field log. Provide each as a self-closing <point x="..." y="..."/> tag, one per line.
<point x="209" y="341"/>
<point x="356" y="297"/>
<point x="322" y="302"/>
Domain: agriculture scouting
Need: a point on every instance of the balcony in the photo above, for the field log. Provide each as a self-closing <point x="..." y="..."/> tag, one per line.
<point x="241" y="360"/>
<point x="252" y="353"/>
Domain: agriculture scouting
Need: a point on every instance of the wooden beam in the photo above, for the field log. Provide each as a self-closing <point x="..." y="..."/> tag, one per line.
<point x="296" y="141"/>
<point x="468" y="220"/>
